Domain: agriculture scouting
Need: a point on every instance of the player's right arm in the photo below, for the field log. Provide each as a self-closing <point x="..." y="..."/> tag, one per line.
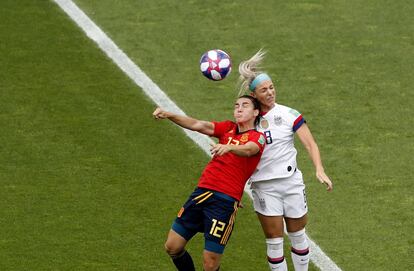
<point x="310" y="145"/>
<point x="201" y="126"/>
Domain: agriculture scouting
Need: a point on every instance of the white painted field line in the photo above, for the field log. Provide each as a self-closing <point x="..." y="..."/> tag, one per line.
<point x="318" y="257"/>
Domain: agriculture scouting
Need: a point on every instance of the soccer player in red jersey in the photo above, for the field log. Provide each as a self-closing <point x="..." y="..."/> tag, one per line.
<point x="212" y="207"/>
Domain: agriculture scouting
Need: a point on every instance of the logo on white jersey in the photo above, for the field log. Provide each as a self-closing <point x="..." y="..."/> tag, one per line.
<point x="278" y="120"/>
<point x="264" y="124"/>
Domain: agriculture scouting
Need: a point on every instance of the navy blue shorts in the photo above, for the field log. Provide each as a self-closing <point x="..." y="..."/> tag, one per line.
<point x="210" y="212"/>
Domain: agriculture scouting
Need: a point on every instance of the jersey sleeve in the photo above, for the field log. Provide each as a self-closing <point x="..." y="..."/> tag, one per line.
<point x="221" y="127"/>
<point x="296" y="118"/>
<point x="259" y="140"/>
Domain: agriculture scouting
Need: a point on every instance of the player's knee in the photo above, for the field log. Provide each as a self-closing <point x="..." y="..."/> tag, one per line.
<point x="172" y="249"/>
<point x="298" y="239"/>
<point x="300" y="245"/>
<point x="211" y="263"/>
<point x="210" y="266"/>
<point x="274" y="248"/>
<point x="168" y="248"/>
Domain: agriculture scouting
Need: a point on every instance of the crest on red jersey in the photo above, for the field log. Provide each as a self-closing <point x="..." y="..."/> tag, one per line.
<point x="244" y="138"/>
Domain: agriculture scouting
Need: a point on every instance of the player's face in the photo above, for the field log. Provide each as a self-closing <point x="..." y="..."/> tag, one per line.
<point x="244" y="111"/>
<point x="265" y="94"/>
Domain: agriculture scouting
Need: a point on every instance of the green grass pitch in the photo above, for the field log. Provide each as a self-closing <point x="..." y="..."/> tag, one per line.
<point x="89" y="181"/>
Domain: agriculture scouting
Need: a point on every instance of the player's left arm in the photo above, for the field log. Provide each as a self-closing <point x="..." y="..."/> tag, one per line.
<point x="247" y="150"/>
<point x="309" y="143"/>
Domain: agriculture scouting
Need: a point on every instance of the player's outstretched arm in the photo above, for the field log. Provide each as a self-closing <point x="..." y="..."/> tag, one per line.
<point x="248" y="149"/>
<point x="201" y="126"/>
<point x="309" y="143"/>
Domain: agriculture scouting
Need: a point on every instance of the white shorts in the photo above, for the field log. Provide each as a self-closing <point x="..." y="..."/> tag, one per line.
<point x="280" y="197"/>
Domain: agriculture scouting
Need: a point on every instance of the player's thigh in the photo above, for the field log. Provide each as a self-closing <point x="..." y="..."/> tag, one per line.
<point x="294" y="201"/>
<point x="219" y="218"/>
<point x="211" y="260"/>
<point x="272" y="225"/>
<point x="175" y="243"/>
<point x="268" y="198"/>
<point x="296" y="224"/>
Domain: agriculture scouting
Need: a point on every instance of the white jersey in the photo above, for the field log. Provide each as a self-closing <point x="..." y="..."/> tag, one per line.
<point x="279" y="156"/>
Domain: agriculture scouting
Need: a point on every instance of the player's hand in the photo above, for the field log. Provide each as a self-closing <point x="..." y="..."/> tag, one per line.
<point x="219" y="149"/>
<point x="159" y="113"/>
<point x="324" y="179"/>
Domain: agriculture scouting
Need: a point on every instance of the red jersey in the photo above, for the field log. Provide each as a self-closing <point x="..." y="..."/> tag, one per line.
<point x="229" y="173"/>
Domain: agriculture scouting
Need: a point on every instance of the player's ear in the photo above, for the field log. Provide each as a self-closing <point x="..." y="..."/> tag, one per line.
<point x="256" y="112"/>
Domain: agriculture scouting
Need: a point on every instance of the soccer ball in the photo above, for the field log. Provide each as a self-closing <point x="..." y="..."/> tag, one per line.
<point x="215" y="64"/>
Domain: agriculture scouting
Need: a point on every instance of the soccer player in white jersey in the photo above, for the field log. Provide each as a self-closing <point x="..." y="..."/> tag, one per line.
<point x="277" y="184"/>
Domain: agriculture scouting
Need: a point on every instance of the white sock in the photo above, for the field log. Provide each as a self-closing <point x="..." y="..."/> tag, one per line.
<point x="299" y="250"/>
<point x="275" y="256"/>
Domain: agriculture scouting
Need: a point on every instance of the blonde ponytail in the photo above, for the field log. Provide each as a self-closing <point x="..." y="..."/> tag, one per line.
<point x="248" y="70"/>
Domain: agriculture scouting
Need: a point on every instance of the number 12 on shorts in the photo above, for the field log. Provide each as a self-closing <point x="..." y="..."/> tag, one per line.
<point x="217" y="227"/>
